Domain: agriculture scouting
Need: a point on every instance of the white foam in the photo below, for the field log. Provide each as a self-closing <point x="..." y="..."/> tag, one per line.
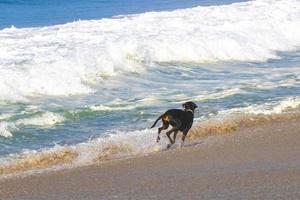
<point x="5" y="116"/>
<point x="218" y="94"/>
<point x="68" y="59"/>
<point x="5" y="129"/>
<point x="139" y="142"/>
<point x="276" y="107"/>
<point x="111" y="108"/>
<point x="286" y="104"/>
<point x="46" y="120"/>
<point x="119" y="144"/>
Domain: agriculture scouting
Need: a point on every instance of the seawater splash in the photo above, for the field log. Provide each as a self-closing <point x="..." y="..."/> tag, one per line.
<point x="116" y="145"/>
<point x="5" y="128"/>
<point x="235" y="122"/>
<point x="121" y="144"/>
<point x="228" y="121"/>
<point x="45" y="119"/>
<point x="70" y="59"/>
<point x="276" y="107"/>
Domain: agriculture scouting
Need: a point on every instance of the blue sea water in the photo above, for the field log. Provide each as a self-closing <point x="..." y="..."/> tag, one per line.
<point x="32" y="13"/>
<point x="104" y="79"/>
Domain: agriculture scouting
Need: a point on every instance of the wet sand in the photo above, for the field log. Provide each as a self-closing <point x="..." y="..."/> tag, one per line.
<point x="261" y="162"/>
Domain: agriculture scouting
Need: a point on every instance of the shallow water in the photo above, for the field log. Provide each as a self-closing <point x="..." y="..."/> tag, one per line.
<point x="90" y="85"/>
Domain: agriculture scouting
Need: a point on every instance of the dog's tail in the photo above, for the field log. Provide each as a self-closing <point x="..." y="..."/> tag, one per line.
<point x="157" y="120"/>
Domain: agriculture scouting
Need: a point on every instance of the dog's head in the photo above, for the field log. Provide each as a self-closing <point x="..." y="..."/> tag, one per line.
<point x="189" y="106"/>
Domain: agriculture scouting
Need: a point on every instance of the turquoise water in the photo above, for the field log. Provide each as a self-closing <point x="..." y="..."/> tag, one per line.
<point x="129" y="109"/>
<point x="70" y="85"/>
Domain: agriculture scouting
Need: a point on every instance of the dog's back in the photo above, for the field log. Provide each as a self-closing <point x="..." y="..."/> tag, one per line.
<point x="186" y="118"/>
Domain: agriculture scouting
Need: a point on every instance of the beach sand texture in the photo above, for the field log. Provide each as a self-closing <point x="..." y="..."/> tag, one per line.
<point x="260" y="162"/>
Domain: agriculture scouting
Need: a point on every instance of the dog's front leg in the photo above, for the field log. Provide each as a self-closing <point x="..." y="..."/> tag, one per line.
<point x="184" y="133"/>
<point x="182" y="140"/>
<point x="174" y="135"/>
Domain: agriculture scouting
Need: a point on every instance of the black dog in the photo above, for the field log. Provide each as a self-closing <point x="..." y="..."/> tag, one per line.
<point x="180" y="120"/>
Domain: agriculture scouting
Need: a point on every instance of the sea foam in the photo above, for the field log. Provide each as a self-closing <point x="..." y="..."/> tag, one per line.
<point x="46" y="119"/>
<point x="70" y="59"/>
<point x="118" y="144"/>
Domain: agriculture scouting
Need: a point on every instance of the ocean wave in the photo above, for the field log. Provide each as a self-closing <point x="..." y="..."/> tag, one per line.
<point x="69" y="59"/>
<point x="121" y="144"/>
<point x="269" y="108"/>
<point x="220" y="94"/>
<point x="116" y="145"/>
<point x="45" y="119"/>
<point x="34" y="116"/>
<point x="112" y="107"/>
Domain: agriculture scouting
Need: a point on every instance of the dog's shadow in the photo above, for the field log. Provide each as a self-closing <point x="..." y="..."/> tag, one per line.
<point x="191" y="144"/>
<point x="176" y="146"/>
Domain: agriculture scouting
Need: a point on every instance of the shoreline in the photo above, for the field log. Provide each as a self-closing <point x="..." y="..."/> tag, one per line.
<point x="260" y="162"/>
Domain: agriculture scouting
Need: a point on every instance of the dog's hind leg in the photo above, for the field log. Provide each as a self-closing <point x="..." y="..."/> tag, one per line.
<point x="174" y="129"/>
<point x="164" y="127"/>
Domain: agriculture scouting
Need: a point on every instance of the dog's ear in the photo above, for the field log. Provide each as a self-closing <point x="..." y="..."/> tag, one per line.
<point x="195" y="106"/>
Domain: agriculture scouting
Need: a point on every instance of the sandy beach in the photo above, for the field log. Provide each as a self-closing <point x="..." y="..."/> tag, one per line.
<point x="83" y="81"/>
<point x="260" y="162"/>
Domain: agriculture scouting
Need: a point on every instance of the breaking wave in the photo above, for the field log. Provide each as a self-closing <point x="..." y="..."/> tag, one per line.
<point x="122" y="144"/>
<point x="45" y="120"/>
<point x="72" y="58"/>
